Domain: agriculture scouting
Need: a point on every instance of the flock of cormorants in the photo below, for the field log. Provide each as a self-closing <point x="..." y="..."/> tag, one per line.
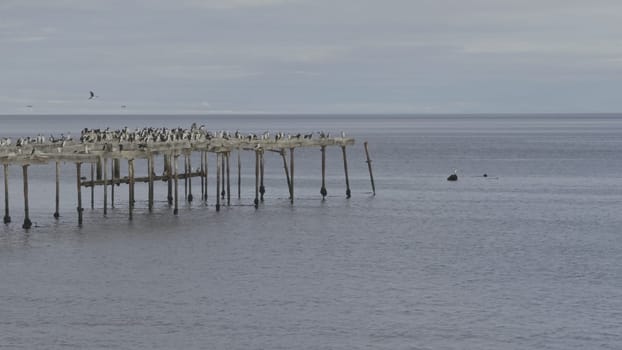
<point x="150" y="134"/>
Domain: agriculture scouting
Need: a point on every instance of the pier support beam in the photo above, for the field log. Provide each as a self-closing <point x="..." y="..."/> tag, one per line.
<point x="228" y="180"/>
<point x="262" y="189"/>
<point x="130" y="170"/>
<point x="371" y="175"/>
<point x="99" y="169"/>
<point x="239" y="173"/>
<point x="176" y="185"/>
<point x="289" y="186"/>
<point x="202" y="175"/>
<point x="92" y="186"/>
<point x="223" y="169"/>
<point x="189" y="171"/>
<point x="112" y="177"/>
<point x="150" y="186"/>
<point x="168" y="160"/>
<point x="186" y="177"/>
<point x="345" y="168"/>
<point x="218" y="155"/>
<point x="57" y="187"/>
<point x="256" y="201"/>
<point x="78" y="180"/>
<point x="206" y="176"/>
<point x="104" y="163"/>
<point x="323" y="191"/>
<point x="27" y="223"/>
<point x="7" y="217"/>
<point x="291" y="172"/>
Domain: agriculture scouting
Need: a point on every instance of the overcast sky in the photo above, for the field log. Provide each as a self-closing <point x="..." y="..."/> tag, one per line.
<point x="310" y="56"/>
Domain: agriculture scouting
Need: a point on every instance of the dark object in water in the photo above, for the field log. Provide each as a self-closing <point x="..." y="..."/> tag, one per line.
<point x="453" y="177"/>
<point x="485" y="175"/>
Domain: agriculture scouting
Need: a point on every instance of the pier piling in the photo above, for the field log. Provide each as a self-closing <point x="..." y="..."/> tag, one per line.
<point x="57" y="187"/>
<point x="176" y="185"/>
<point x="78" y="179"/>
<point x="105" y="170"/>
<point x="239" y="174"/>
<point x="218" y="155"/>
<point x="189" y="168"/>
<point x="7" y="217"/>
<point x="289" y="185"/>
<point x="323" y="191"/>
<point x="345" y="168"/>
<point x="202" y="156"/>
<point x="92" y="186"/>
<point x="291" y="174"/>
<point x="371" y="175"/>
<point x="256" y="201"/>
<point x="27" y="223"/>
<point x="223" y="177"/>
<point x="262" y="188"/>
<point x="112" y="177"/>
<point x="150" y="168"/>
<point x="168" y="160"/>
<point x="228" y="180"/>
<point x="130" y="171"/>
<point x="206" y="176"/>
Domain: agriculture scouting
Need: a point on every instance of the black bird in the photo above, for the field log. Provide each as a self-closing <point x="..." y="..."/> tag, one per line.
<point x="453" y="177"/>
<point x="92" y="95"/>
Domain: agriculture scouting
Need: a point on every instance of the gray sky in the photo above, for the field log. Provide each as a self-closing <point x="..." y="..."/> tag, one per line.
<point x="310" y="56"/>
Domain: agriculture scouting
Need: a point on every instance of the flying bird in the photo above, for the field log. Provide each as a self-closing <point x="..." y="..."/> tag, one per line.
<point x="92" y="95"/>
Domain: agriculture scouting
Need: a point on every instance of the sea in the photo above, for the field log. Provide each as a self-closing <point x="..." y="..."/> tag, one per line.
<point x="527" y="257"/>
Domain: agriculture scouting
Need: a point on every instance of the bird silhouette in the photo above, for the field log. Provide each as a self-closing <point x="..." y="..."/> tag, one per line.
<point x="92" y="95"/>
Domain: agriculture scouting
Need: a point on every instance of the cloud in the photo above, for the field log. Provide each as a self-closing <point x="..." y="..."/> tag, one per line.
<point x="342" y="55"/>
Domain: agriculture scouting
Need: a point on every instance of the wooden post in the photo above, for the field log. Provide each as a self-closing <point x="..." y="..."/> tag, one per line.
<point x="239" y="173"/>
<point x="289" y="186"/>
<point x="176" y="185"/>
<point x="57" y="199"/>
<point x="202" y="175"/>
<point x="169" y="173"/>
<point x="92" y="186"/>
<point x="105" y="169"/>
<point x="217" y="181"/>
<point x="117" y="168"/>
<point x="323" y="191"/>
<point x="130" y="165"/>
<point x="186" y="176"/>
<point x="256" y="179"/>
<point x="345" y="168"/>
<point x="78" y="178"/>
<point x="99" y="168"/>
<point x="223" y="169"/>
<point x="371" y="176"/>
<point x="112" y="177"/>
<point x="150" y="176"/>
<point x="7" y="217"/>
<point x="189" y="176"/>
<point x="206" y="176"/>
<point x="27" y="223"/>
<point x="262" y="189"/>
<point x="291" y="172"/>
<point x="228" y="180"/>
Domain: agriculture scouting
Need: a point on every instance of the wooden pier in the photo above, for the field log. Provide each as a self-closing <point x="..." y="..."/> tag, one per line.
<point x="99" y="148"/>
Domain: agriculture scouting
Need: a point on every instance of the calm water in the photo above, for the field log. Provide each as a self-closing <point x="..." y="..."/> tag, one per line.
<point x="528" y="258"/>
